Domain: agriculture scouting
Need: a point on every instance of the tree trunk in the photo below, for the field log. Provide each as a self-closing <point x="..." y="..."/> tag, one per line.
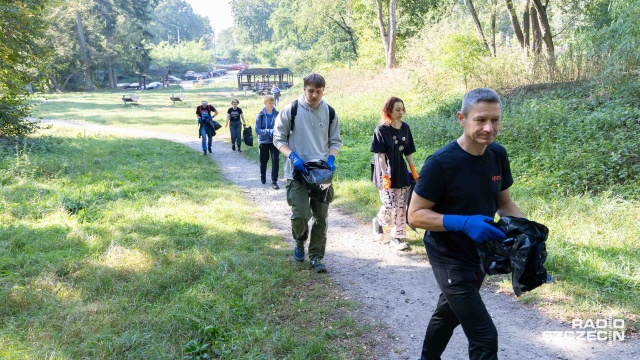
<point x="391" y="53"/>
<point x="535" y="31"/>
<point x="383" y="31"/>
<point x="515" y="24"/>
<point x="83" y="54"/>
<point x="526" y="24"/>
<point x="543" y="21"/>
<point x="494" y="7"/>
<point x="476" y="22"/>
<point x="112" y="83"/>
<point x="342" y="24"/>
<point x="66" y="81"/>
<point x="54" y="83"/>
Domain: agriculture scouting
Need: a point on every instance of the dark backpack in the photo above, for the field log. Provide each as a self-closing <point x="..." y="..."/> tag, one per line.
<point x="294" y="112"/>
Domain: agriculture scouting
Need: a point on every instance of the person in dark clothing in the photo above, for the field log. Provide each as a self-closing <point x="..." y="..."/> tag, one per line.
<point x="391" y="140"/>
<point x="234" y="115"/>
<point x="460" y="189"/>
<point x="205" y="113"/>
<point x="264" y="128"/>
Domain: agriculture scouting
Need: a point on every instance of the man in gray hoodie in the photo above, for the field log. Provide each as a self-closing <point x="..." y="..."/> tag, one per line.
<point x="315" y="136"/>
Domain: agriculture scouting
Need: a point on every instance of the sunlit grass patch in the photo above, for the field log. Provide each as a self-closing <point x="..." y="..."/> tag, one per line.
<point x="127" y="247"/>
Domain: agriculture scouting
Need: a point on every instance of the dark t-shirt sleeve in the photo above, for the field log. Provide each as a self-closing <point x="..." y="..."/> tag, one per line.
<point x="229" y="110"/>
<point x="507" y="181"/>
<point x="411" y="146"/>
<point x="378" y="143"/>
<point x="239" y="111"/>
<point x="430" y="185"/>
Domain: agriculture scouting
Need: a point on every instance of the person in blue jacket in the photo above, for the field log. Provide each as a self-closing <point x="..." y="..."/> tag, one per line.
<point x="264" y="128"/>
<point x="461" y="187"/>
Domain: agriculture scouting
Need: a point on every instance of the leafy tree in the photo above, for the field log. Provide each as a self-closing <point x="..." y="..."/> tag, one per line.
<point x="252" y="17"/>
<point x="20" y="55"/>
<point x="463" y="55"/>
<point x="171" y="16"/>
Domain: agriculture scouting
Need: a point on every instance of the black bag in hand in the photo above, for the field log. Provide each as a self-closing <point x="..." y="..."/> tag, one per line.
<point x="247" y="136"/>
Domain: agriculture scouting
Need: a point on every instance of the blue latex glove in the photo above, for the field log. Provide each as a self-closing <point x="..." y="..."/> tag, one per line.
<point x="298" y="164"/>
<point x="331" y="162"/>
<point x="475" y="226"/>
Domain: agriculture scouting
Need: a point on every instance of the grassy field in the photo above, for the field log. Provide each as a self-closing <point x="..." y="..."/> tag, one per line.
<point x="586" y="192"/>
<point x="117" y="248"/>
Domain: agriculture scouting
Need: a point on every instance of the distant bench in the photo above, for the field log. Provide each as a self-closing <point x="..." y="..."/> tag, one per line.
<point x="130" y="98"/>
<point x="179" y="98"/>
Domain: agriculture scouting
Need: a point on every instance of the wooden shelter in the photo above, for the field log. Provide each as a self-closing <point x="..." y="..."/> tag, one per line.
<point x="265" y="77"/>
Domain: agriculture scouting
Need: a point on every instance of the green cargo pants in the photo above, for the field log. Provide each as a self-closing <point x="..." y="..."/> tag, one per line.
<point x="303" y="208"/>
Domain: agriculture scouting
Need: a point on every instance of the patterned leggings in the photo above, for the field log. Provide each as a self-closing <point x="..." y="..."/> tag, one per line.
<point x="393" y="210"/>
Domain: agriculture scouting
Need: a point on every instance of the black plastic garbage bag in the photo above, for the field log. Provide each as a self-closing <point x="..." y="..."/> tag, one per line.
<point x="522" y="253"/>
<point x="317" y="180"/>
<point x="247" y="136"/>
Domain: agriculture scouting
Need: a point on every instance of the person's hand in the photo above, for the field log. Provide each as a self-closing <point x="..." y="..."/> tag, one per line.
<point x="414" y="173"/>
<point x="386" y="182"/>
<point x="226" y="124"/>
<point x="331" y="162"/>
<point x="475" y="226"/>
<point x="298" y="164"/>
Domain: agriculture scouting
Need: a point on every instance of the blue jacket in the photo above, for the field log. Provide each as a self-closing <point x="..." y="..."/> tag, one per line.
<point x="264" y="129"/>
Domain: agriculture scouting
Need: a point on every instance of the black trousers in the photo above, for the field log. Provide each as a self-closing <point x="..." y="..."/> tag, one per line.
<point x="269" y="151"/>
<point x="460" y="304"/>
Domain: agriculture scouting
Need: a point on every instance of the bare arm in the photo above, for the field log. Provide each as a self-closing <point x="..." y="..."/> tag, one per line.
<point x="409" y="159"/>
<point x="422" y="216"/>
<point x="285" y="150"/>
<point x="244" y="123"/>
<point x="506" y="205"/>
<point x="215" y="113"/>
<point x="382" y="160"/>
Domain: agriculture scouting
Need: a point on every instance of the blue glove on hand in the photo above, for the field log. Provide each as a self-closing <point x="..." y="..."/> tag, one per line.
<point x="298" y="164"/>
<point x="475" y="226"/>
<point x="331" y="162"/>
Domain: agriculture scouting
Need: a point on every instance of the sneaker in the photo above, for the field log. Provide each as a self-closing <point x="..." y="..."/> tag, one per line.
<point x="239" y="150"/>
<point x="317" y="265"/>
<point x="233" y="147"/>
<point x="210" y="149"/>
<point x="399" y="244"/>
<point x="275" y="186"/>
<point x="204" y="153"/>
<point x="377" y="229"/>
<point x="263" y="179"/>
<point x="298" y="254"/>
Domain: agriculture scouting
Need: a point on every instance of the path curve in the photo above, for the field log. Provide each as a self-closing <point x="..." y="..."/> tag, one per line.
<point x="395" y="288"/>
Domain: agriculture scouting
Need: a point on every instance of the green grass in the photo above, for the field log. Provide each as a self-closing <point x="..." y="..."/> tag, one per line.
<point x="127" y="248"/>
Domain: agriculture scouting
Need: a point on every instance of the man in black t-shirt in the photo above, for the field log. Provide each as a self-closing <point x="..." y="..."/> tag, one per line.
<point x="461" y="188"/>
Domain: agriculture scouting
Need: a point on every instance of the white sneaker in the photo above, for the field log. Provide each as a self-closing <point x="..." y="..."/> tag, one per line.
<point x="399" y="244"/>
<point x="377" y="229"/>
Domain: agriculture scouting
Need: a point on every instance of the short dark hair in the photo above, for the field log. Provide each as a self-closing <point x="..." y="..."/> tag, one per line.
<point x="314" y="79"/>
<point x="478" y="95"/>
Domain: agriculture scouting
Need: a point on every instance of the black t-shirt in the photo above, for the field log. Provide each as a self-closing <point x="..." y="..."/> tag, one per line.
<point x="393" y="143"/>
<point x="209" y="109"/>
<point x="461" y="184"/>
<point x="234" y="114"/>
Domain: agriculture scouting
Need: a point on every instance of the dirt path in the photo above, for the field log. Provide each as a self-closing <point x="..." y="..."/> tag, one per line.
<point x="393" y="287"/>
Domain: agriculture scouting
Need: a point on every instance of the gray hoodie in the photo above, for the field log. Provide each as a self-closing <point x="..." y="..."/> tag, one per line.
<point x="312" y="137"/>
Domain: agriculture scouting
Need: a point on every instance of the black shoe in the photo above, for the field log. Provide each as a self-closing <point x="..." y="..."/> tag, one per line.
<point x="298" y="254"/>
<point x="317" y="265"/>
<point x="239" y="150"/>
<point x="233" y="148"/>
<point x="210" y="149"/>
<point x="263" y="179"/>
<point x="275" y="186"/>
<point x="204" y="153"/>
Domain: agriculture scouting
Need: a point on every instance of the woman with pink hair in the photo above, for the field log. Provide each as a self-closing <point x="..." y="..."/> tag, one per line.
<point x="392" y="142"/>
